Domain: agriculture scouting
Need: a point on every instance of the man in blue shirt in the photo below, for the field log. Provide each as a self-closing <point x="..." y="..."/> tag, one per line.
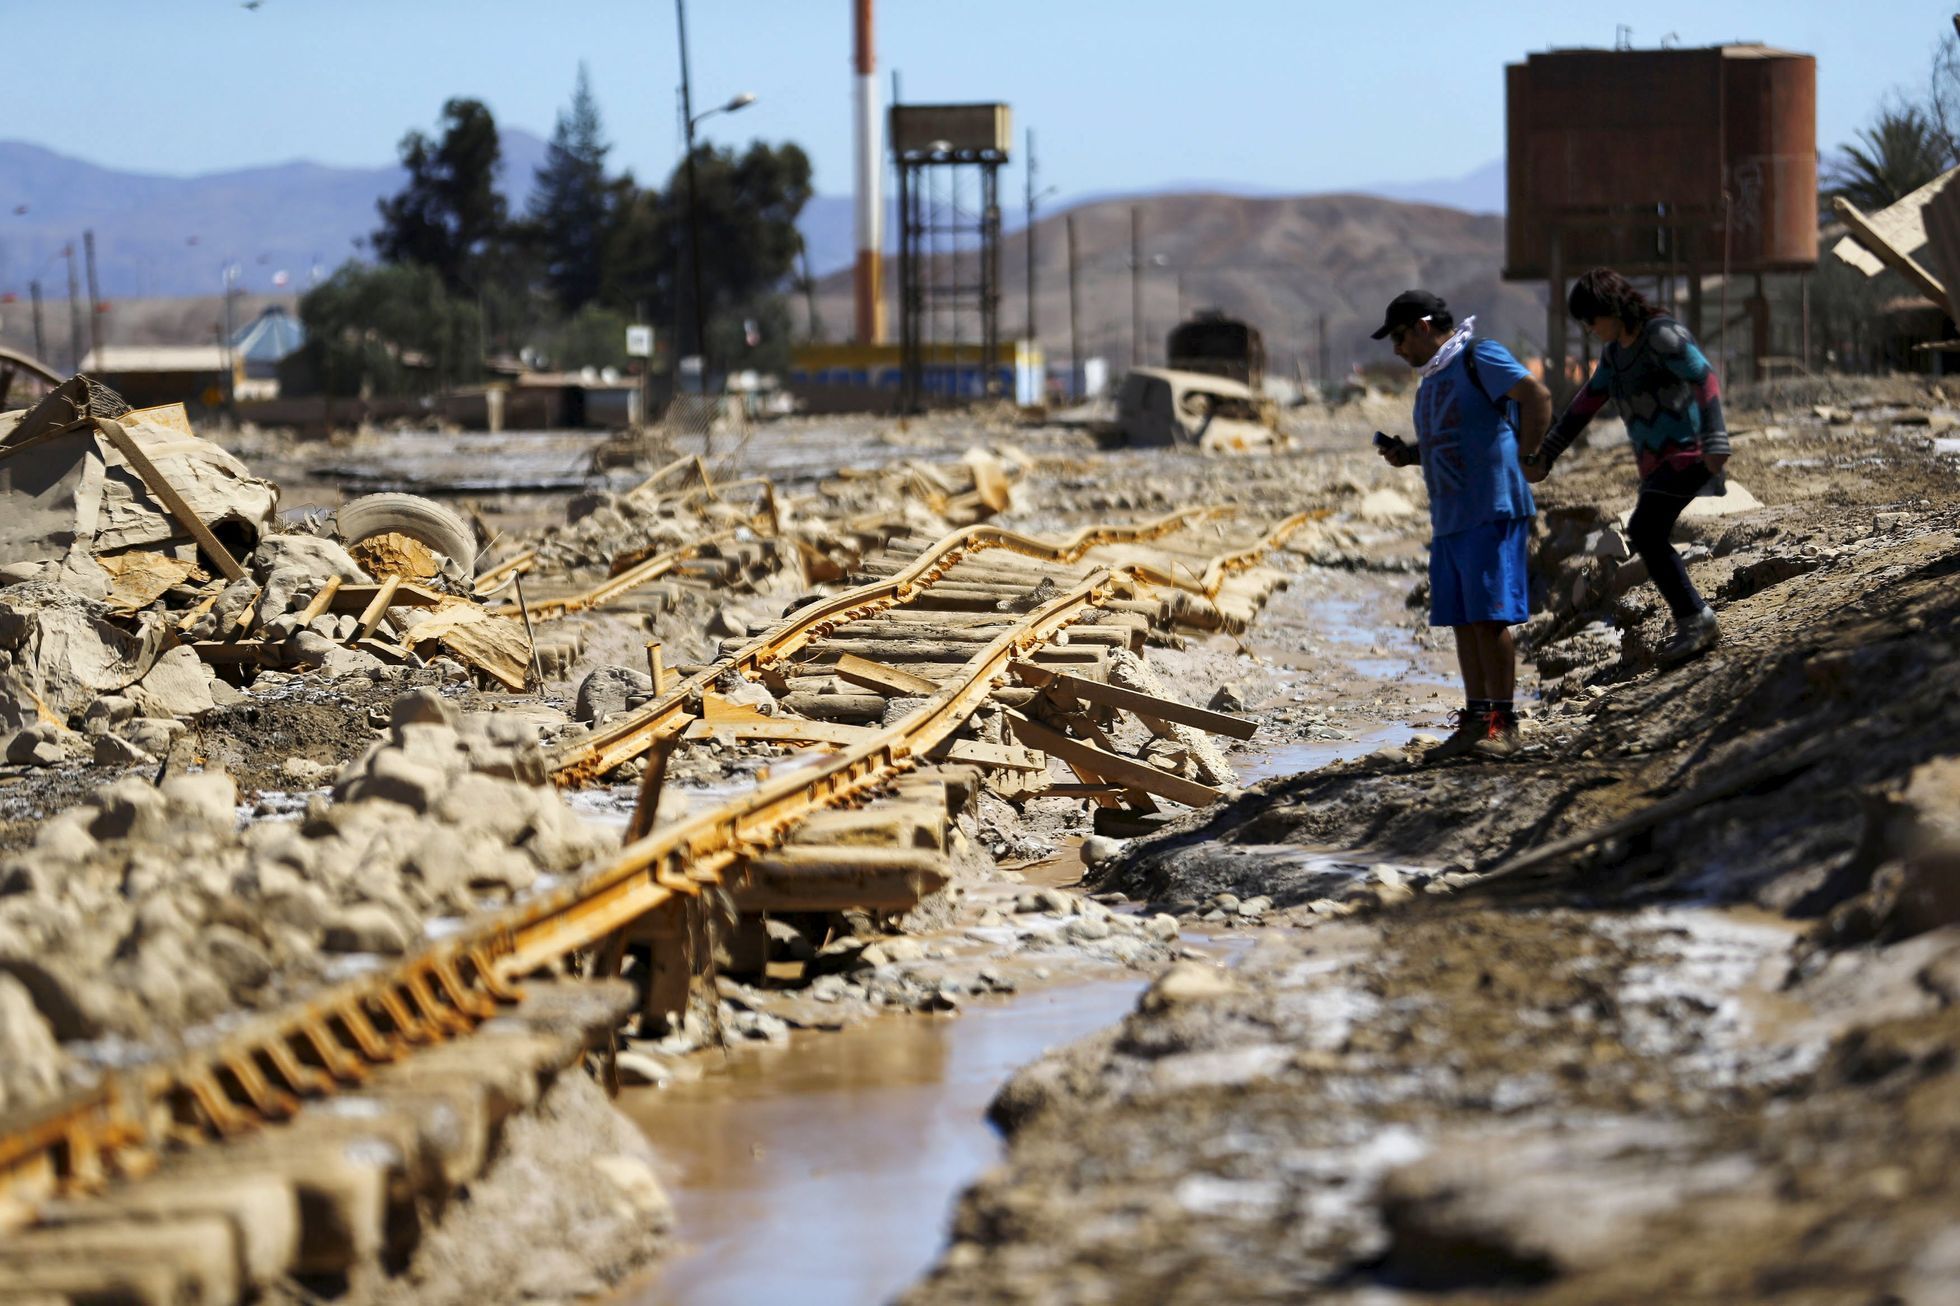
<point x="1475" y="407"/>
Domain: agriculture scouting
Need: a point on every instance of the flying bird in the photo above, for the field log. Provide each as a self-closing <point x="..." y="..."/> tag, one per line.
<point x="250" y="4"/>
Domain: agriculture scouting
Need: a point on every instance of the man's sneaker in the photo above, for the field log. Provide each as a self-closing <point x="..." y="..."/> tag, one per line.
<point x="1470" y="727"/>
<point x="1498" y="739"/>
<point x="1692" y="637"/>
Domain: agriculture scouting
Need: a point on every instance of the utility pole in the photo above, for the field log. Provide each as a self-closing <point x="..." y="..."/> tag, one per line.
<point x="809" y="291"/>
<point x="74" y="311"/>
<point x="94" y="295"/>
<point x="1030" y="236"/>
<point x="1136" y="287"/>
<point x="40" y="333"/>
<point x="1074" y="323"/>
<point x="227" y="280"/>
<point x="693" y="210"/>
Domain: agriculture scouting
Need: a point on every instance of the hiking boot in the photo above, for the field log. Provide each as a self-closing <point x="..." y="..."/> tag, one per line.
<point x="1469" y="728"/>
<point x="1692" y="637"/>
<point x="1499" y="738"/>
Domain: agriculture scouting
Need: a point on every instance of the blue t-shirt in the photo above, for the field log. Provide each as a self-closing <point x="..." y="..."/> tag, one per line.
<point x="1469" y="446"/>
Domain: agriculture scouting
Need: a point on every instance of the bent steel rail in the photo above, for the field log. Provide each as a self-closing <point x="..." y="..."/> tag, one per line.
<point x="263" y="1069"/>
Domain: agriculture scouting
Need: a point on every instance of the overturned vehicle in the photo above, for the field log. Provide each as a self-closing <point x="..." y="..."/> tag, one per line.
<point x="1162" y="407"/>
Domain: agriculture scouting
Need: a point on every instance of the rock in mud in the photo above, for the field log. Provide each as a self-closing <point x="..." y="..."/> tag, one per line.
<point x="177" y="685"/>
<point x="1189" y="981"/>
<point x="365" y="927"/>
<point x="30" y="1059"/>
<point x="1227" y="698"/>
<point x="606" y="690"/>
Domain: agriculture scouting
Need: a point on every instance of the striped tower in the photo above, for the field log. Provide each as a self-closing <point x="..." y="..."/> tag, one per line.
<point x="869" y="281"/>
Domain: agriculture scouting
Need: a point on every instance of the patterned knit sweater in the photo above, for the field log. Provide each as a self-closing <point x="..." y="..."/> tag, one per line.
<point x="1666" y="392"/>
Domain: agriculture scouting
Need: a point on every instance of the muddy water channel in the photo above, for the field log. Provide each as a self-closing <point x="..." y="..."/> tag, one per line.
<point x="822" y="1170"/>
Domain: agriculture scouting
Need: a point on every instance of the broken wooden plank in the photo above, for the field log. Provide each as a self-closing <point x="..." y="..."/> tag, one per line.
<point x="716" y="708"/>
<point x="160" y="486"/>
<point x="377" y="607"/>
<point x="317" y="605"/>
<point x="778" y="730"/>
<point x="406" y="594"/>
<point x="231" y="651"/>
<point x="1100" y="790"/>
<point x="1134" y="701"/>
<point x="1113" y="766"/>
<point x="886" y="680"/>
<point x="981" y="753"/>
<point x="1883" y="250"/>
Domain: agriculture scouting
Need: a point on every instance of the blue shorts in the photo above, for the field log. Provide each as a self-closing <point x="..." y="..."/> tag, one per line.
<point x="1478" y="574"/>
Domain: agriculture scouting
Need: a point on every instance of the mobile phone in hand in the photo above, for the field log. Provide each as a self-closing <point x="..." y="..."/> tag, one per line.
<point x="1386" y="442"/>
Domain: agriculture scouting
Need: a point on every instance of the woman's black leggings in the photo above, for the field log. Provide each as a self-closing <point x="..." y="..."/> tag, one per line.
<point x="1663" y="496"/>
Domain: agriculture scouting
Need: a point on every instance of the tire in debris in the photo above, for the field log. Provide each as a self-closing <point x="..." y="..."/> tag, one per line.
<point x="423" y="520"/>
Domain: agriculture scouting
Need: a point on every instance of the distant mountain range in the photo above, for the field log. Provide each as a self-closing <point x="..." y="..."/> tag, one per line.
<point x="169" y="236"/>
<point x="173" y="236"/>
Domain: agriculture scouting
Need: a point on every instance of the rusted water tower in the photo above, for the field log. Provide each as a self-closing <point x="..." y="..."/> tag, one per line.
<point x="1671" y="164"/>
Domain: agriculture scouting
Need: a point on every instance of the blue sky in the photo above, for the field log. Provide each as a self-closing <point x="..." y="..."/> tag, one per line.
<point x="1122" y="94"/>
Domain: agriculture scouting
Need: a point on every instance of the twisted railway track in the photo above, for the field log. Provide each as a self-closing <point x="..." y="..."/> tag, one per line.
<point x="958" y="625"/>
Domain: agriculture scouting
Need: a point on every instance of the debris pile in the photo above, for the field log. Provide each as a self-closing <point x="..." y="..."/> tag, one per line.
<point x="147" y="910"/>
<point x="135" y="557"/>
<point x="680" y="534"/>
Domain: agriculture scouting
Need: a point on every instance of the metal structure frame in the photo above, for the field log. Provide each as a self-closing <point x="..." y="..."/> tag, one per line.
<point x="948" y="260"/>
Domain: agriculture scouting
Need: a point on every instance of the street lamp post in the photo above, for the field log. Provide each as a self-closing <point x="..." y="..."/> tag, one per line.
<point x="742" y="101"/>
<point x="691" y="120"/>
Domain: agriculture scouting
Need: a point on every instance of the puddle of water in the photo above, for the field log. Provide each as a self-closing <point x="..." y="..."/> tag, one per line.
<point x="823" y="1170"/>
<point x="1311" y="755"/>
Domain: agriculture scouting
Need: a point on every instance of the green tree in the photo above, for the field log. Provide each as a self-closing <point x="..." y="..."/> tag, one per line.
<point x="388" y="329"/>
<point x="450" y="211"/>
<point x="749" y="203"/>
<point x="571" y="210"/>
<point x="595" y="336"/>
<point x="1889" y="160"/>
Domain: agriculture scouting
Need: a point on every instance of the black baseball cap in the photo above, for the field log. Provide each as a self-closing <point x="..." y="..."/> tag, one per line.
<point x="1409" y="306"/>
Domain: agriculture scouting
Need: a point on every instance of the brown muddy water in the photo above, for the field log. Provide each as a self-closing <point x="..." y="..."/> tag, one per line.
<point x="823" y="1170"/>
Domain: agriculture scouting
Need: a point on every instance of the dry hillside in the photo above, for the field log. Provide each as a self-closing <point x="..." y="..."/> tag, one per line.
<point x="1280" y="263"/>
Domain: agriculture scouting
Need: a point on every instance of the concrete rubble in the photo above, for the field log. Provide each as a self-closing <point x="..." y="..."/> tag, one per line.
<point x="140" y="562"/>
<point x="146" y="911"/>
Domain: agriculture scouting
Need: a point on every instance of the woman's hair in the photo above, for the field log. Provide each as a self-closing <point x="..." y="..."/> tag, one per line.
<point x="1603" y="292"/>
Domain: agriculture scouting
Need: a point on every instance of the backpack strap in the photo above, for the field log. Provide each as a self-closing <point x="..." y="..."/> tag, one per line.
<point x="1502" y="406"/>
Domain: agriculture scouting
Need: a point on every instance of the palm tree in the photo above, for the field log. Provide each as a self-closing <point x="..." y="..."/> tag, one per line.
<point x="1889" y="160"/>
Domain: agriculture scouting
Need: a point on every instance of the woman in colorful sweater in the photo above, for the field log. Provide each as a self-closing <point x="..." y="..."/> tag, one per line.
<point x="1652" y="370"/>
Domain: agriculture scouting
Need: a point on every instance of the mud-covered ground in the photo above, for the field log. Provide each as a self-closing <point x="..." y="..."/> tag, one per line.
<point x="1709" y="1056"/>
